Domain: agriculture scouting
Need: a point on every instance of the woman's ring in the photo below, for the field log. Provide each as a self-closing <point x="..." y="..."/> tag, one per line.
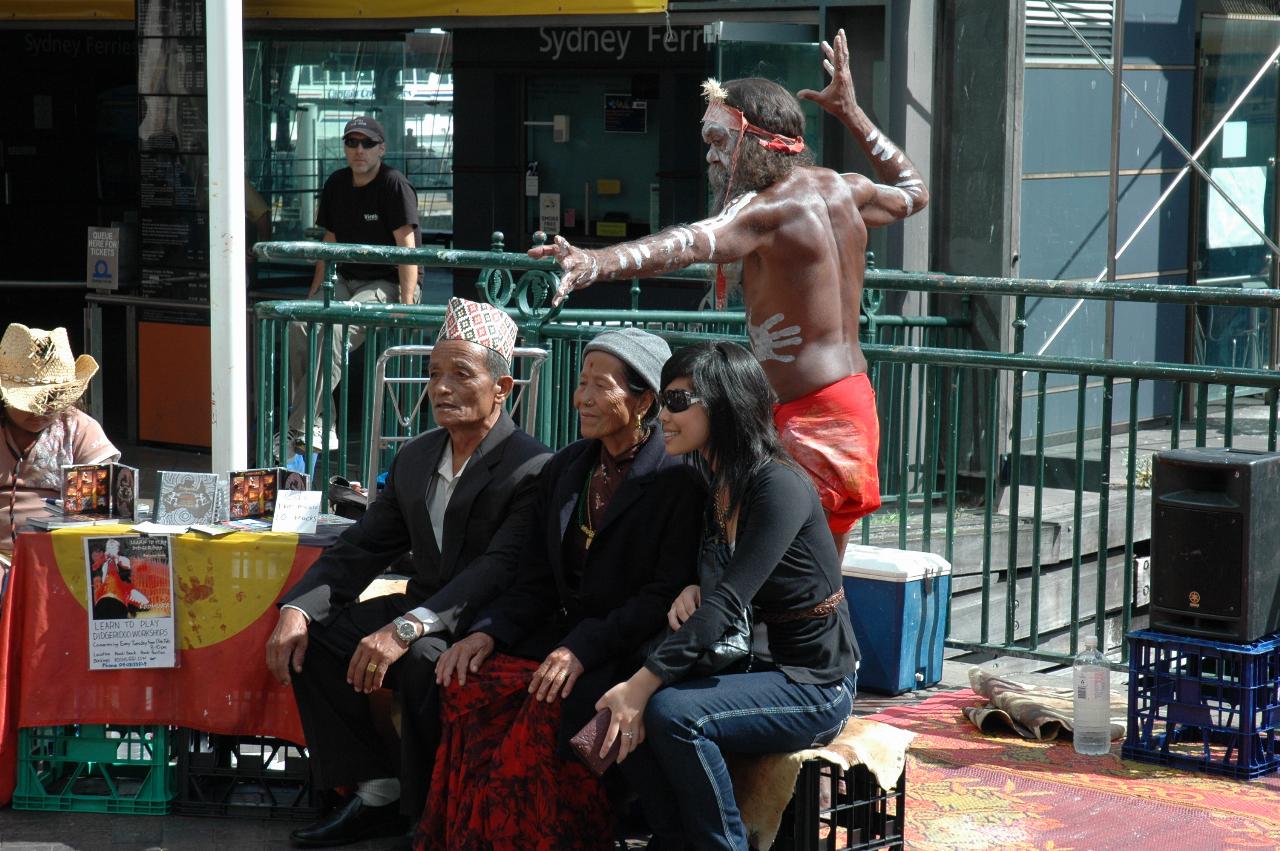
<point x="628" y="734"/>
<point x="371" y="667"/>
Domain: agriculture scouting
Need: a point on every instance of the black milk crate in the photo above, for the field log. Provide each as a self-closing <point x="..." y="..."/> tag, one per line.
<point x="861" y="815"/>
<point x="243" y="776"/>
<point x="1204" y="705"/>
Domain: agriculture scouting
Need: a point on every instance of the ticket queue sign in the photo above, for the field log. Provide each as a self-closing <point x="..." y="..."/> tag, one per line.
<point x="102" y="267"/>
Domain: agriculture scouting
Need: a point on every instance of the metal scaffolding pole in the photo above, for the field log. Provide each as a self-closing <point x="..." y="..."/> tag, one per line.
<point x="227" y="337"/>
<point x="1192" y="160"/>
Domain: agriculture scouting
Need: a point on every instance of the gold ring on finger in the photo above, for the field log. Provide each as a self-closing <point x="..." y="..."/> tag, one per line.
<point x="371" y="667"/>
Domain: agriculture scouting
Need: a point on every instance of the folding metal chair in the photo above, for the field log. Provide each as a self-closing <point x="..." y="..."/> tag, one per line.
<point x="406" y="411"/>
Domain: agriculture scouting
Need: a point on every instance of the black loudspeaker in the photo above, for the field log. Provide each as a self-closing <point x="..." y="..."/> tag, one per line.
<point x="1215" y="543"/>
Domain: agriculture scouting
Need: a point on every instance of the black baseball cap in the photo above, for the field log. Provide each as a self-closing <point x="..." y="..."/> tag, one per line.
<point x="366" y="124"/>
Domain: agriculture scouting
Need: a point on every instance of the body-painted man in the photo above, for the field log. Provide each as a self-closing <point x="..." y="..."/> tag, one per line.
<point x="800" y="232"/>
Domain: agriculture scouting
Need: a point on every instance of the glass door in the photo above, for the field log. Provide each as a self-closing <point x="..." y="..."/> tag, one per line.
<point x="789" y="55"/>
<point x="1242" y="161"/>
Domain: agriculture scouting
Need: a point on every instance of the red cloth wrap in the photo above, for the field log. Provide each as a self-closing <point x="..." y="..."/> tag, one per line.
<point x="834" y="434"/>
<point x="499" y="783"/>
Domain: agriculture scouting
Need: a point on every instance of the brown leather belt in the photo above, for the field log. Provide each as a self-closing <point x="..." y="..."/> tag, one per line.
<point x="822" y="610"/>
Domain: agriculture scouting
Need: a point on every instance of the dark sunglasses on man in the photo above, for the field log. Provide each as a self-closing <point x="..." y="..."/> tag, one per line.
<point x="358" y="141"/>
<point x="679" y="401"/>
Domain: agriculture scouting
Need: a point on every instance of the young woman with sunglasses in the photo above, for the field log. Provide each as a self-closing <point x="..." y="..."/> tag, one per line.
<point x="782" y="565"/>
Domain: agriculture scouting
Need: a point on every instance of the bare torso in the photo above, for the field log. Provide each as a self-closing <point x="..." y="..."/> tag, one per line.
<point x="801" y="240"/>
<point x="803" y="291"/>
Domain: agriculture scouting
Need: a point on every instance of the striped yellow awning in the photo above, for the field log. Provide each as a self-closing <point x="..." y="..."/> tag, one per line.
<point x="122" y="10"/>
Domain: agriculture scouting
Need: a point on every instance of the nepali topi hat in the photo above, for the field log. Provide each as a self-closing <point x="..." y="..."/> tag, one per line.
<point x="38" y="373"/>
<point x="479" y="323"/>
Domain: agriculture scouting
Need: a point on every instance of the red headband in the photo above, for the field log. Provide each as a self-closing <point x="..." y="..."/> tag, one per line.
<point x="733" y="118"/>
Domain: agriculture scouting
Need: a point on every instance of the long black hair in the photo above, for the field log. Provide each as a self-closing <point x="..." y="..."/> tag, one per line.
<point x="741" y="437"/>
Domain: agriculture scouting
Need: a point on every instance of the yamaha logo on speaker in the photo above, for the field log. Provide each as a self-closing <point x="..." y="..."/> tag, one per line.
<point x="1194" y="599"/>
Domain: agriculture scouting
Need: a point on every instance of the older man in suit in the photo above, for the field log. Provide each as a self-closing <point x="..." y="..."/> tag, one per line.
<point x="460" y="499"/>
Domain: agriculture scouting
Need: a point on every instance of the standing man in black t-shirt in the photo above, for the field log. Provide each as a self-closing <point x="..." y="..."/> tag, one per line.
<point x="369" y="203"/>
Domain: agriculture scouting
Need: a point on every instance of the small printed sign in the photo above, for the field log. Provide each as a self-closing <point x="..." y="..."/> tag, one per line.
<point x="549" y="212"/>
<point x="531" y="180"/>
<point x="102" y="270"/>
<point x="625" y="114"/>
<point x="129" y="579"/>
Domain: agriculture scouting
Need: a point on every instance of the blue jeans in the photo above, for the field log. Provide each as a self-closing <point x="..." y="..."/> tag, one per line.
<point x="679" y="772"/>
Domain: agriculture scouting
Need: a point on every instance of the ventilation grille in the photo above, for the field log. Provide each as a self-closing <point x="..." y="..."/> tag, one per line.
<point x="1251" y="7"/>
<point x="1048" y="37"/>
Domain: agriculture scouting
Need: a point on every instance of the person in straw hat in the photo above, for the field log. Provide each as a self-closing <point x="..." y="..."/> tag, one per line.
<point x="40" y="382"/>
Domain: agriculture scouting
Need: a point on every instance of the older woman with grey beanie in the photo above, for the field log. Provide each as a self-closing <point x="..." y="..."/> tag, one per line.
<point x="618" y="538"/>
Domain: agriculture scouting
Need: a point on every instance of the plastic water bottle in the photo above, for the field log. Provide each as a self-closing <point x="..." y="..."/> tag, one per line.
<point x="1091" y="701"/>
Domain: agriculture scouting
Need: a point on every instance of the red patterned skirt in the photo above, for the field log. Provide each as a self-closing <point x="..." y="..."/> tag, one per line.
<point x="499" y="782"/>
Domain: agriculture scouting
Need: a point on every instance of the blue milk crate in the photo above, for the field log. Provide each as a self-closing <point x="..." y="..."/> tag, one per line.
<point x="899" y="601"/>
<point x="1204" y="705"/>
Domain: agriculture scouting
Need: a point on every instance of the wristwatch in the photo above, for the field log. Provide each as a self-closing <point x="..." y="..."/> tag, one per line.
<point x="406" y="631"/>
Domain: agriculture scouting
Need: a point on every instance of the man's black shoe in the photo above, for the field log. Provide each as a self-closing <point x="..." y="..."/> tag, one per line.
<point x="352" y="822"/>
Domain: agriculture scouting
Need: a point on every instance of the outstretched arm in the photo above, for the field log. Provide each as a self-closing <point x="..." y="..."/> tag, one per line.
<point x="746" y="225"/>
<point x="898" y="190"/>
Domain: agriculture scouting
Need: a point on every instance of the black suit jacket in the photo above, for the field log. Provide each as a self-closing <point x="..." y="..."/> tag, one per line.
<point x="644" y="552"/>
<point x="486" y="525"/>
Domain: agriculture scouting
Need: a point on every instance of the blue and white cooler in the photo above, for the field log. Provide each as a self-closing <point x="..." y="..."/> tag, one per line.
<point x="899" y="601"/>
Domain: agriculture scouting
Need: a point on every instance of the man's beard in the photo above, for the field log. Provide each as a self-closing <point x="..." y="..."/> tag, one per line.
<point x="755" y="169"/>
<point x="718" y="180"/>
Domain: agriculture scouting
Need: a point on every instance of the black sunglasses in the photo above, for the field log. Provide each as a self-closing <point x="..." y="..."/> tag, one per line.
<point x="679" y="401"/>
<point x="354" y="141"/>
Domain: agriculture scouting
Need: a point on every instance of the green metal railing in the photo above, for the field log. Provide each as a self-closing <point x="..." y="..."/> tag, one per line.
<point x="963" y="432"/>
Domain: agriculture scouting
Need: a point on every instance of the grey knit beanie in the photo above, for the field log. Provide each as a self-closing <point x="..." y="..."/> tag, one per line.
<point x="640" y="350"/>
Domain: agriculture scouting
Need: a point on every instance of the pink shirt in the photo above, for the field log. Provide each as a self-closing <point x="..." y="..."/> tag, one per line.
<point x="73" y="438"/>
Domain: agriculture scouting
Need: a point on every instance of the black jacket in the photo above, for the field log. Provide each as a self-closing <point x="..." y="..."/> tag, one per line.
<point x="784" y="561"/>
<point x="485" y="527"/>
<point x="644" y="552"/>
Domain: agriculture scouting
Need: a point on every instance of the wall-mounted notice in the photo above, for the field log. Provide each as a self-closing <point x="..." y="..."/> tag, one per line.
<point x="625" y="114"/>
<point x="549" y="212"/>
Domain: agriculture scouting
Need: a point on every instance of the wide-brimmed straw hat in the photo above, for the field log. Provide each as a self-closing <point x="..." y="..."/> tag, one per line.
<point x="38" y="373"/>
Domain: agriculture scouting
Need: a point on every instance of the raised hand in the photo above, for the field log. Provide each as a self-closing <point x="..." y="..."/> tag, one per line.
<point x="580" y="267"/>
<point x="838" y="97"/>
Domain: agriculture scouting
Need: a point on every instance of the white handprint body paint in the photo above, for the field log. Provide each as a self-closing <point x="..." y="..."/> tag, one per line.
<point x="767" y="338"/>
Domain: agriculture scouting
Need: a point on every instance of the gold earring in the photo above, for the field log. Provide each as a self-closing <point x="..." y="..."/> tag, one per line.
<point x="639" y="421"/>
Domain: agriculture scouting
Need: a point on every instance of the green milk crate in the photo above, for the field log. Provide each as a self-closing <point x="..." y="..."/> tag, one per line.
<point x="95" y="768"/>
